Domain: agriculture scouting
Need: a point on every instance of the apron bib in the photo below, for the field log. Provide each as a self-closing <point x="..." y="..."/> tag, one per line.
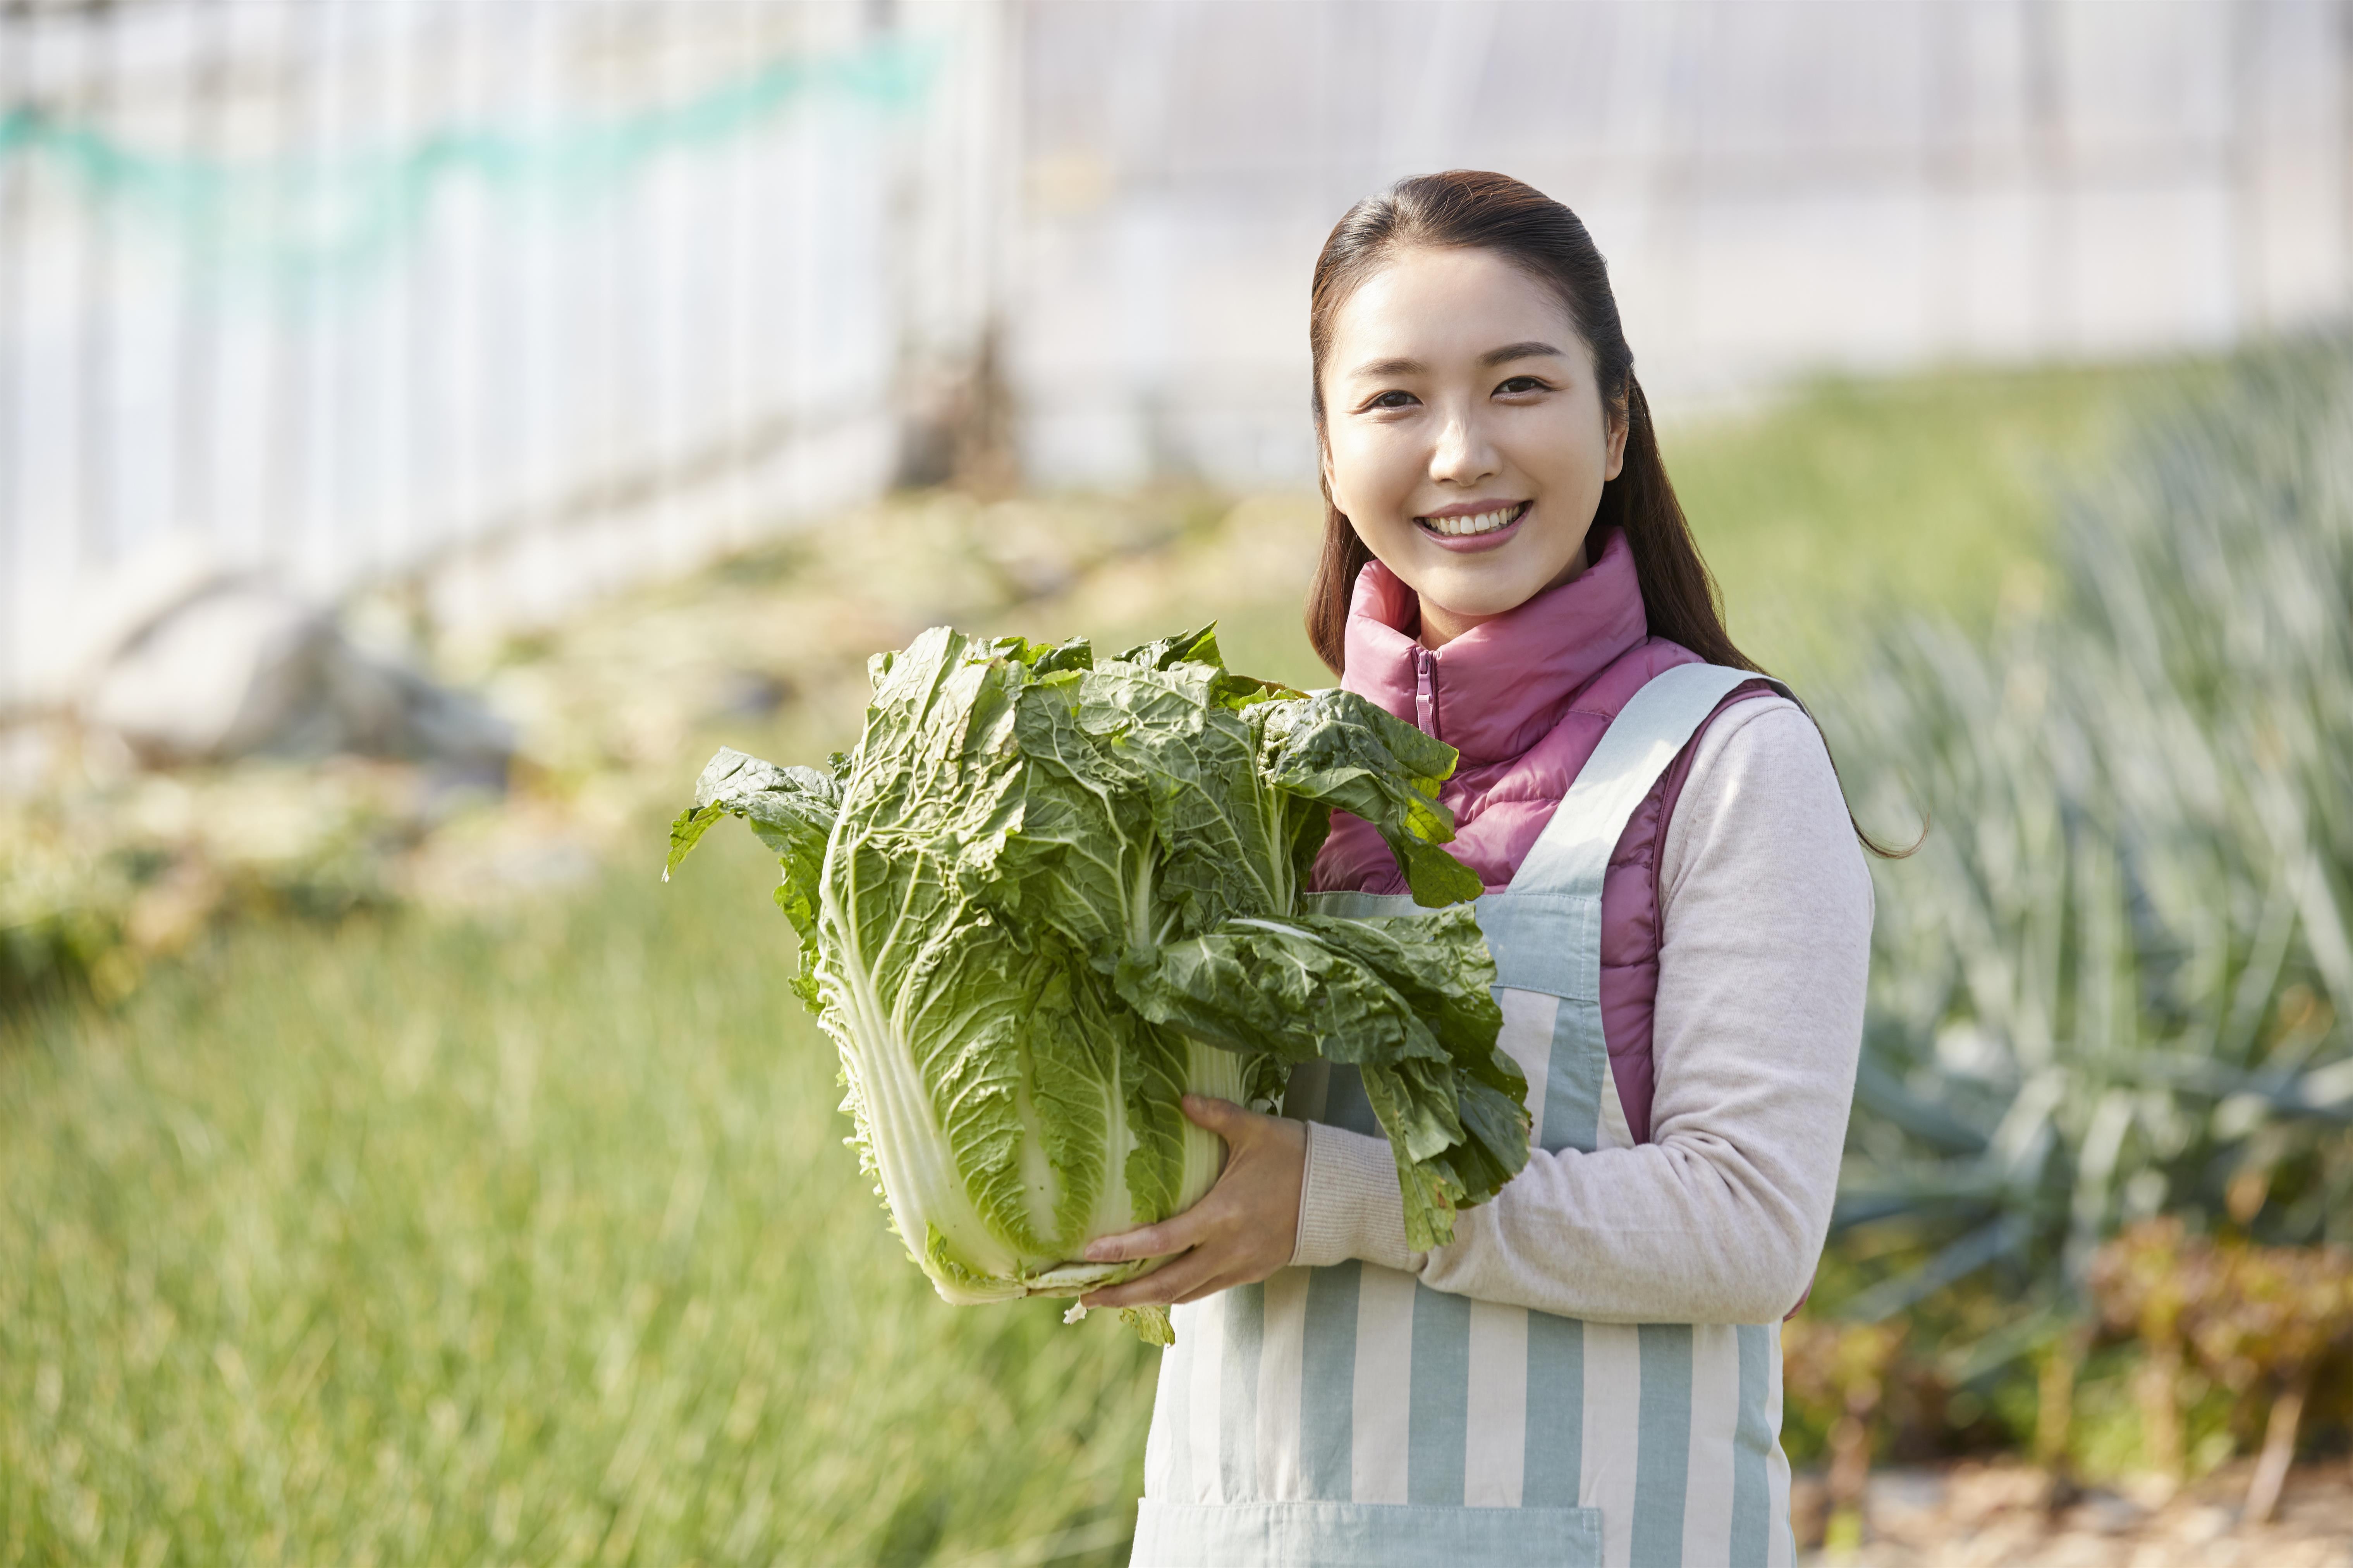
<point x="1353" y="1415"/>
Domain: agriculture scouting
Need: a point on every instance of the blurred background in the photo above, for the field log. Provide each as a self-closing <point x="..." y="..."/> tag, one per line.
<point x="429" y="426"/>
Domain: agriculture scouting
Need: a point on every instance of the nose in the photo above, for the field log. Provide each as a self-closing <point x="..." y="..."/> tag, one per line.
<point x="1463" y="456"/>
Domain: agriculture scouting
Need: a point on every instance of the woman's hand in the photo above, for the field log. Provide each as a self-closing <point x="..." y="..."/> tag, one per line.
<point x="1243" y="1229"/>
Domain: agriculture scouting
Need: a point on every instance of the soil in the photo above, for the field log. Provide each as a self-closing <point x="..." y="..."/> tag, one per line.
<point x="2003" y="1516"/>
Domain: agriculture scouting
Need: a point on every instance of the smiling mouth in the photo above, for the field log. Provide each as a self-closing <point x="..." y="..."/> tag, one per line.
<point x="1476" y="525"/>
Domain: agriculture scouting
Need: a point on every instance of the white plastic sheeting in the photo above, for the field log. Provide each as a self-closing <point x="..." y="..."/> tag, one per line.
<point x="519" y="299"/>
<point x="1781" y="187"/>
<point x="516" y="300"/>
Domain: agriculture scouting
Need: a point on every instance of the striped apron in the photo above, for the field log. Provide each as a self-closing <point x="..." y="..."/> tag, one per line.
<point x="1354" y="1415"/>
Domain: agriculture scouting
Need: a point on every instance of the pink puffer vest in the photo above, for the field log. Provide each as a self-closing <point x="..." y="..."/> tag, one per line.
<point x="1524" y="699"/>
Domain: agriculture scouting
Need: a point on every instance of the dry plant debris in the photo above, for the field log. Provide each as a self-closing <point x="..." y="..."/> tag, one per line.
<point x="2001" y="1516"/>
<point x="105" y="864"/>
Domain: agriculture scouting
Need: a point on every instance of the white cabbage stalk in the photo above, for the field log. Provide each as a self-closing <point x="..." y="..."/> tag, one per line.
<point x="1032" y="911"/>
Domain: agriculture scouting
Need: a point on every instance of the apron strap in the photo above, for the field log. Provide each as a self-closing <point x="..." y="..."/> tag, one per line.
<point x="1572" y="854"/>
<point x="1544" y="930"/>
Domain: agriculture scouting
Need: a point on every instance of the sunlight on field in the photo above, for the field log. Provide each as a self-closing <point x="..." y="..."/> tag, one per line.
<point x="530" y="1236"/>
<point x="1855" y="500"/>
<point x="457" y="1243"/>
<point x="1841" y="503"/>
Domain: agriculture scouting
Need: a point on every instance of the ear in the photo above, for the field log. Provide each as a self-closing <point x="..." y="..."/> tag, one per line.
<point x="1615" y="462"/>
<point x="1324" y="464"/>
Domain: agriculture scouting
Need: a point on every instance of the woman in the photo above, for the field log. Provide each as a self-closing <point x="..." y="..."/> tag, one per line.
<point x="1590" y="1373"/>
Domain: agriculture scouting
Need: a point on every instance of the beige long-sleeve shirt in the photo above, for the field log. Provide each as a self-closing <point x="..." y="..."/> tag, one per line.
<point x="1765" y="907"/>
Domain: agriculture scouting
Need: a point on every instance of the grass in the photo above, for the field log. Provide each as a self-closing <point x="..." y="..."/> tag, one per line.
<point x="1817" y="513"/>
<point x="1858" y="499"/>
<point x="2114" y="984"/>
<point x="533" y="1242"/>
<point x="532" y="1239"/>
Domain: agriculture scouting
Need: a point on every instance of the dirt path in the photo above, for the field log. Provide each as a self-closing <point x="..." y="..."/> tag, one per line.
<point x="1997" y="1516"/>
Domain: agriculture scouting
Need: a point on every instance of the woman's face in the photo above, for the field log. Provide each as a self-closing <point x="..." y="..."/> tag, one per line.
<point x="1464" y="435"/>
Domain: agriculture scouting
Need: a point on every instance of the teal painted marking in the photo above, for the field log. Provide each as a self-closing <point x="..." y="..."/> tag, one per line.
<point x="305" y="210"/>
<point x="1663" y="1446"/>
<point x="1439" y="1424"/>
<point x="1327" y="1382"/>
<point x="1554" y="1463"/>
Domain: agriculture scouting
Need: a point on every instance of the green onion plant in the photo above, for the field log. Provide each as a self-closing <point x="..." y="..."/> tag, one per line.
<point x="2113" y="980"/>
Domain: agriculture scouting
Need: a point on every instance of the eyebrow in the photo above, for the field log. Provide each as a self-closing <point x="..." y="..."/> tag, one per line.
<point x="1531" y="349"/>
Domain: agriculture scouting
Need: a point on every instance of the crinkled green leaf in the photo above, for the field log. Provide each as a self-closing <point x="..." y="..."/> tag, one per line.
<point x="1228" y="689"/>
<point x="1151" y="1324"/>
<point x="792" y="810"/>
<point x="1185" y="648"/>
<point x="1407" y="1001"/>
<point x="1050" y="895"/>
<point x="687" y="831"/>
<point x="1342" y="752"/>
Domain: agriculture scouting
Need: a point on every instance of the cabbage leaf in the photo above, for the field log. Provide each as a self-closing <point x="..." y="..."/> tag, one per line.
<point x="1048" y="895"/>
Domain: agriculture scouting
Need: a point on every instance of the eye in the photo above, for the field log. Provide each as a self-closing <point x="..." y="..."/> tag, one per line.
<point x="1522" y="384"/>
<point x="1393" y="400"/>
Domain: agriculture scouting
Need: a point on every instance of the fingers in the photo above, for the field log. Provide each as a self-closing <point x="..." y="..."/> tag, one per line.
<point x="1241" y="1230"/>
<point x="1125" y="1246"/>
<point x="1222" y="1116"/>
<point x="1179" y="1279"/>
<point x="1170" y="1236"/>
<point x="1229" y="1122"/>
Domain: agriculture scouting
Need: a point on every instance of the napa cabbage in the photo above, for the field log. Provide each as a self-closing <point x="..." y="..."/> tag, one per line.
<point x="1049" y="894"/>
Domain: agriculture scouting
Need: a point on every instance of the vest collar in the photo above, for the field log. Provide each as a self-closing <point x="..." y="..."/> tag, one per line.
<point x="1502" y="687"/>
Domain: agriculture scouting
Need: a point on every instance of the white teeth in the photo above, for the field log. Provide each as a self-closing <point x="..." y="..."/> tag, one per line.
<point x="1481" y="522"/>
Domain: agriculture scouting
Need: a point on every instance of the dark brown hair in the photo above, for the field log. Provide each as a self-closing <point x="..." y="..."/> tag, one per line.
<point x="1466" y="209"/>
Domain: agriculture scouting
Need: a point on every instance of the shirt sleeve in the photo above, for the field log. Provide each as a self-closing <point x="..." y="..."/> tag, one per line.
<point x="1765" y="907"/>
